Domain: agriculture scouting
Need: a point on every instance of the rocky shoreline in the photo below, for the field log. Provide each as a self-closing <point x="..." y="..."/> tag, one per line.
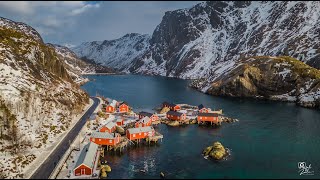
<point x="280" y="78"/>
<point x="217" y="151"/>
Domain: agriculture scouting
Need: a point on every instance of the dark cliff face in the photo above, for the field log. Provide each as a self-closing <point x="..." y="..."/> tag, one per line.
<point x="192" y="43"/>
<point x="275" y="78"/>
<point x="235" y="28"/>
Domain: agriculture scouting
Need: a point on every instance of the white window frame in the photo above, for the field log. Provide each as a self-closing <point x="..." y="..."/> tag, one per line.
<point x="110" y="141"/>
<point x="133" y="135"/>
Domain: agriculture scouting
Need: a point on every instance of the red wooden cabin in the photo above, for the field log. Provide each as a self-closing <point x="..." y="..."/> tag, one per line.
<point x="140" y="133"/>
<point x="111" y="108"/>
<point x="146" y="121"/>
<point x="120" y="122"/>
<point x="105" y="138"/>
<point x="124" y="107"/>
<point x="176" y="116"/>
<point x="173" y="107"/>
<point x="153" y="117"/>
<point x="208" y="117"/>
<point x="109" y="127"/>
<point x="202" y="109"/>
<point x="87" y="160"/>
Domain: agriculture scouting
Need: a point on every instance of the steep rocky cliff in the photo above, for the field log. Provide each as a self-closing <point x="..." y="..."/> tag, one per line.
<point x="38" y="97"/>
<point x="191" y="43"/>
<point x="265" y="77"/>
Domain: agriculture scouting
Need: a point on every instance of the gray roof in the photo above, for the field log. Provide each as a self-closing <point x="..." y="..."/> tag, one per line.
<point x="174" y="113"/>
<point x="113" y="103"/>
<point x="200" y="106"/>
<point x="143" y="113"/>
<point x="87" y="155"/>
<point x="208" y="114"/>
<point x="168" y="104"/>
<point x="103" y="135"/>
<point x="110" y="125"/>
<point x="144" y="120"/>
<point x="140" y="129"/>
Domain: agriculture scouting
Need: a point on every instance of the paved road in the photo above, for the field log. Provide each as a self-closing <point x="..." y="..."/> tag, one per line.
<point x="44" y="171"/>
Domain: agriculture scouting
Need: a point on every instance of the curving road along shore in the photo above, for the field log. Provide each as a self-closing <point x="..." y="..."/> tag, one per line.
<point x="44" y="171"/>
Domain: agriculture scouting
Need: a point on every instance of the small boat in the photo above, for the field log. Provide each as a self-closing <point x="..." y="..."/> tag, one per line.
<point x="206" y="157"/>
<point x="142" y="170"/>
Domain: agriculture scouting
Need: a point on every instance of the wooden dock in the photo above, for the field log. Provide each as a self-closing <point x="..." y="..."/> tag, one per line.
<point x="154" y="138"/>
<point x="124" y="141"/>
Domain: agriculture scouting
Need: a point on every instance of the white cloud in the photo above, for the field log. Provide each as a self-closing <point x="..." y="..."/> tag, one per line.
<point x="74" y="22"/>
<point x="84" y="8"/>
<point x="22" y="7"/>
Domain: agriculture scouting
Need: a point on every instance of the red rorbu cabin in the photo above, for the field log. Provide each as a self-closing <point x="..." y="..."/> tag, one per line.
<point x="146" y="121"/>
<point x="111" y="108"/>
<point x="140" y="133"/>
<point x="109" y="127"/>
<point x="202" y="109"/>
<point x="120" y="122"/>
<point x="208" y="117"/>
<point x="105" y="138"/>
<point x="153" y="117"/>
<point x="176" y="116"/>
<point x="87" y="160"/>
<point x="172" y="107"/>
<point x="124" y="107"/>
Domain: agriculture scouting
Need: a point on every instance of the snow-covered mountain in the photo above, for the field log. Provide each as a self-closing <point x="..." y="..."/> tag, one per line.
<point x="207" y="40"/>
<point x="76" y="66"/>
<point x="191" y="43"/>
<point x="117" y="53"/>
<point x="38" y="97"/>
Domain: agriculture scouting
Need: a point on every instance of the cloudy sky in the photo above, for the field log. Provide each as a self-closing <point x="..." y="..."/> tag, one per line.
<point x="74" y="22"/>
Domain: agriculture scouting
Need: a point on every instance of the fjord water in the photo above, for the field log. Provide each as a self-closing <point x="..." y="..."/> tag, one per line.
<point x="268" y="141"/>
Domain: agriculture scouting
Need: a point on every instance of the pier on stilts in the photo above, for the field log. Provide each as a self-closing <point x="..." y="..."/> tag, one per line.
<point x="154" y="138"/>
<point x="120" y="146"/>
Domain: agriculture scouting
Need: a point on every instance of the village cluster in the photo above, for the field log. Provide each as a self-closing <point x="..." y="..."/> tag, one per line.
<point x="116" y="126"/>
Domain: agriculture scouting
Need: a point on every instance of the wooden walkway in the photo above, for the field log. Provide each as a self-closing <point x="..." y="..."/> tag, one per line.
<point x="154" y="138"/>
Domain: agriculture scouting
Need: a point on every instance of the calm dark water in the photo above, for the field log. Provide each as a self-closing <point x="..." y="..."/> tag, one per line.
<point x="268" y="141"/>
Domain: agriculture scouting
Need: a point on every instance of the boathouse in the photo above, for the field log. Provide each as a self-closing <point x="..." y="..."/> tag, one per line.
<point x="109" y="127"/>
<point x="146" y="121"/>
<point x="171" y="106"/>
<point x="140" y="133"/>
<point x="124" y="107"/>
<point x="202" y="109"/>
<point x="120" y="122"/>
<point x="176" y="116"/>
<point x="87" y="161"/>
<point x="105" y="138"/>
<point x="111" y="108"/>
<point x="208" y="117"/>
<point x="153" y="117"/>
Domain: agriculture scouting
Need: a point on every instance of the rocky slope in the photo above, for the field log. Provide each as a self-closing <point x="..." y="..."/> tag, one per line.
<point x="77" y="66"/>
<point x="38" y="97"/>
<point x="265" y="77"/>
<point x="207" y="40"/>
<point x="190" y="43"/>
<point x="117" y="53"/>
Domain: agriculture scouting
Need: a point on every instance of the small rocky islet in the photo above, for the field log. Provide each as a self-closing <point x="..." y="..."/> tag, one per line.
<point x="217" y="151"/>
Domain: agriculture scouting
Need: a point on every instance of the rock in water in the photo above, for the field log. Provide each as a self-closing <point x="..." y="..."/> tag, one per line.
<point x="161" y="174"/>
<point x="164" y="110"/>
<point x="120" y="130"/>
<point x="217" y="154"/>
<point x="108" y="168"/>
<point x="207" y="150"/>
<point x="104" y="174"/>
<point x="217" y="151"/>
